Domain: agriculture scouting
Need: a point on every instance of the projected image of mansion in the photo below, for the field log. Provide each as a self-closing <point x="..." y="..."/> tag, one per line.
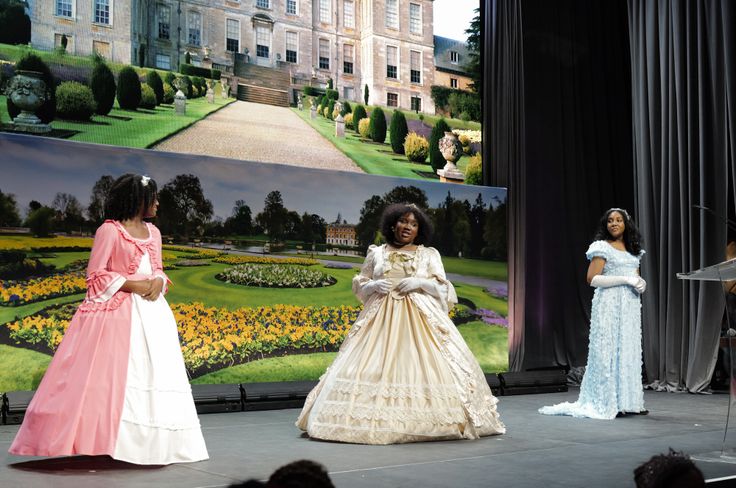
<point x="387" y="45"/>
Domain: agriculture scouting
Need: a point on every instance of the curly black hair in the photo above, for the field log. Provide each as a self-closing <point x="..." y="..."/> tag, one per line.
<point x="394" y="212"/>
<point x="663" y="469"/>
<point x="128" y="195"/>
<point x="301" y="474"/>
<point x="632" y="236"/>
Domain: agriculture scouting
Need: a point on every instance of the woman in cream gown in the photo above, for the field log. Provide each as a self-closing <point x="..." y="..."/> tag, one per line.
<point x="404" y="372"/>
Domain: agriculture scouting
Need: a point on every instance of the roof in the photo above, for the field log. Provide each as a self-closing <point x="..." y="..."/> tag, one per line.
<point x="442" y="48"/>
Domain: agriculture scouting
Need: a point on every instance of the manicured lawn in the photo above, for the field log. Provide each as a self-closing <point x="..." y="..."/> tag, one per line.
<point x="481" y="299"/>
<point x="493" y="270"/>
<point x="62" y="259"/>
<point x="8" y="314"/>
<point x="141" y="129"/>
<point x="489" y="344"/>
<point x="22" y="369"/>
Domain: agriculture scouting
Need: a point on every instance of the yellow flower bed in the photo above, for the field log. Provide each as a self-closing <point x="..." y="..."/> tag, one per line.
<point x="45" y="243"/>
<point x="194" y="252"/>
<point x="20" y="292"/>
<point x="232" y="259"/>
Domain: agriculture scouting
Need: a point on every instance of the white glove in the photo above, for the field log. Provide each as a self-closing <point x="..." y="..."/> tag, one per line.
<point x="408" y="285"/>
<point x="382" y="287"/>
<point x="607" y="281"/>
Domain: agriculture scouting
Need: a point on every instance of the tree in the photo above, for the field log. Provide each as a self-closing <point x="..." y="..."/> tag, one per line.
<point x="128" y="89"/>
<point x="241" y="221"/>
<point x="477" y="219"/>
<point x="435" y="156"/>
<point x="33" y="205"/>
<point x="103" y="86"/>
<point x="41" y="221"/>
<point x="154" y="81"/>
<point x="366" y="92"/>
<point x="98" y="199"/>
<point x="398" y="131"/>
<point x="183" y="209"/>
<point x="9" y="215"/>
<point x="274" y="217"/>
<point x="15" y="25"/>
<point x="378" y="125"/>
<point x="495" y="233"/>
<point x="68" y="211"/>
<point x="407" y="194"/>
<point x="338" y="219"/>
<point x="370" y="220"/>
<point x="474" y="44"/>
<point x="452" y="229"/>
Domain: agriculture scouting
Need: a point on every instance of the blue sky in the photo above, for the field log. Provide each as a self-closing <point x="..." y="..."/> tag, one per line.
<point x="36" y="168"/>
<point x="452" y="17"/>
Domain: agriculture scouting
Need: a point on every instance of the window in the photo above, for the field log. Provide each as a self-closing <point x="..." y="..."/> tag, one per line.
<point x="164" y="21"/>
<point x="415" y="18"/>
<point x="348" y="93"/>
<point x="291" y="46"/>
<point x="163" y="61"/>
<point x="101" y="48"/>
<point x="194" y="30"/>
<point x="392" y="99"/>
<point x="454" y="57"/>
<point x="232" y="35"/>
<point x="392" y="14"/>
<point x="347" y="59"/>
<point x="453" y="82"/>
<point x="69" y="42"/>
<point x="263" y="3"/>
<point x="415" y="66"/>
<point x="391" y="63"/>
<point x="262" y="41"/>
<point x="324" y="54"/>
<point x="291" y="7"/>
<point x="64" y="8"/>
<point x="102" y="12"/>
<point x="325" y="11"/>
<point x="348" y="12"/>
<point x="416" y="104"/>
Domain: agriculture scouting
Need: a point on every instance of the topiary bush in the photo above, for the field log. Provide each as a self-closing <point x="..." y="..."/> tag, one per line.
<point x="148" y="97"/>
<point x="332" y="94"/>
<point x="216" y="74"/>
<point x="47" y="111"/>
<point x="358" y="114"/>
<point x="331" y="110"/>
<point x="378" y="125"/>
<point x="364" y="128"/>
<point x="154" y="81"/>
<point x="435" y="156"/>
<point x="199" y="85"/>
<point x="398" y="131"/>
<point x="346" y="108"/>
<point x="169" y="94"/>
<point x="75" y="101"/>
<point x="416" y="148"/>
<point x="169" y="79"/>
<point x="103" y="87"/>
<point x="474" y="171"/>
<point x="186" y="86"/>
<point x="349" y="121"/>
<point x="326" y="111"/>
<point x="129" y="89"/>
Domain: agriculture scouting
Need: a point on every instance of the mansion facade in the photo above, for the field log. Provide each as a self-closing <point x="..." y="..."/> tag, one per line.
<point x="387" y="45"/>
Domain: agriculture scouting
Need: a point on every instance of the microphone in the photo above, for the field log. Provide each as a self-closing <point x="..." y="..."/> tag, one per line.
<point x="730" y="223"/>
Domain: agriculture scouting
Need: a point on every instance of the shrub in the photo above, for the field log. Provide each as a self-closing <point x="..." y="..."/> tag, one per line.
<point x="435" y="156"/>
<point x="378" y="125"/>
<point x="275" y="276"/>
<point x="474" y="171"/>
<point x="326" y="111"/>
<point x="187" y="58"/>
<point x="154" y="81"/>
<point x="464" y="140"/>
<point x="148" y="97"/>
<point x="358" y="115"/>
<point x="364" y="128"/>
<point x="15" y="25"/>
<point x="103" y="87"/>
<point x="74" y="101"/>
<point x="349" y="121"/>
<point x="309" y="91"/>
<point x="47" y="111"/>
<point x="169" y="94"/>
<point x="216" y="74"/>
<point x="332" y="94"/>
<point x="346" y="108"/>
<point x="464" y="116"/>
<point x="416" y="148"/>
<point x="331" y="109"/>
<point x="129" y="89"/>
<point x="398" y="131"/>
<point x="188" y="69"/>
<point x="186" y="84"/>
<point x="169" y="79"/>
<point x="365" y="94"/>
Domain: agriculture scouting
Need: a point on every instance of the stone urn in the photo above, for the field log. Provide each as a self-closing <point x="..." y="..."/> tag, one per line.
<point x="451" y="150"/>
<point x="210" y="91"/>
<point x="27" y="91"/>
<point x="180" y="100"/>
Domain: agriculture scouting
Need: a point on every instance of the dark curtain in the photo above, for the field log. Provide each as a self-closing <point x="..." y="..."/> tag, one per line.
<point x="560" y="139"/>
<point x="684" y="113"/>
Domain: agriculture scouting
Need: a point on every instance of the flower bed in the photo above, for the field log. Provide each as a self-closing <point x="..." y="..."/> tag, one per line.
<point x="194" y="252"/>
<point x="231" y="259"/>
<point x="187" y="263"/>
<point x="339" y="266"/>
<point x="492" y="318"/>
<point x="46" y="244"/>
<point x="473" y="135"/>
<point x="275" y="276"/>
<point x="13" y="293"/>
<point x="501" y="292"/>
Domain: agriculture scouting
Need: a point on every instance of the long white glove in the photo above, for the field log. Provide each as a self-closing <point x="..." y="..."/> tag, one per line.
<point x="408" y="285"/>
<point x="382" y="287"/>
<point x="607" y="281"/>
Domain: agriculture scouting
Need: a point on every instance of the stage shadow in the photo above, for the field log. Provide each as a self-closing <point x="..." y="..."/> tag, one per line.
<point x="91" y="464"/>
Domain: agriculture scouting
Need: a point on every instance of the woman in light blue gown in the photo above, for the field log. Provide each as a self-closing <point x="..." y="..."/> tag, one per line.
<point x="612" y="383"/>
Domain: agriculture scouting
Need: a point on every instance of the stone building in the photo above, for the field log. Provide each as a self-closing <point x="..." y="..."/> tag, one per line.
<point x="450" y="58"/>
<point x="341" y="235"/>
<point x="387" y="45"/>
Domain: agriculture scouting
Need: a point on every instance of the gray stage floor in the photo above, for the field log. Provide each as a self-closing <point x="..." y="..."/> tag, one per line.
<point x="536" y="451"/>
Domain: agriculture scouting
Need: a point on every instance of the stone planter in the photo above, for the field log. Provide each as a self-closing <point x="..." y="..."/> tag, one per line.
<point x="27" y="91"/>
<point x="452" y="151"/>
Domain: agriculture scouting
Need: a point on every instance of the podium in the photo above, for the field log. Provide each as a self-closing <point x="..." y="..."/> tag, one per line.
<point x="721" y="272"/>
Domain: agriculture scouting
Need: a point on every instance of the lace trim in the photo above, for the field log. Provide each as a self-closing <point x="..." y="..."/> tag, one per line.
<point x="395" y="390"/>
<point x="371" y="435"/>
<point x="114" y="303"/>
<point x="401" y="413"/>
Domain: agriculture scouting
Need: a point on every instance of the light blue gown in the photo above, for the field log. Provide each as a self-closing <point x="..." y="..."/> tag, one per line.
<point x="612" y="381"/>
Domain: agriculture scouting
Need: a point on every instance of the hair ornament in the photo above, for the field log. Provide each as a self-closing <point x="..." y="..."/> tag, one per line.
<point x="145" y="180"/>
<point x="621" y="211"/>
<point x="412" y="205"/>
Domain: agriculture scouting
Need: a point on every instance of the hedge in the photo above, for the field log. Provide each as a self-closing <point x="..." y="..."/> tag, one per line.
<point x="188" y="69"/>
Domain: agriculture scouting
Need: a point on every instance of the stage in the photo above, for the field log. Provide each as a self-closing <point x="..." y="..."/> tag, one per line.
<point x="536" y="451"/>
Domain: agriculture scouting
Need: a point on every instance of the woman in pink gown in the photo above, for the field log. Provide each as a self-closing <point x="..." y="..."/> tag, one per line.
<point x="117" y="384"/>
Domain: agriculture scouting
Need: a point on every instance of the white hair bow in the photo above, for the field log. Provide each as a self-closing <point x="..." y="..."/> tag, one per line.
<point x="145" y="180"/>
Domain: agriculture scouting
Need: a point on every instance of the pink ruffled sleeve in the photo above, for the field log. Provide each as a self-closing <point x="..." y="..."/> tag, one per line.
<point x="103" y="283"/>
<point x="157" y="260"/>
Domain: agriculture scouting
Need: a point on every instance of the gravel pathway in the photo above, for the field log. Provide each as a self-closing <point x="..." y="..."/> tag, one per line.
<point x="255" y="132"/>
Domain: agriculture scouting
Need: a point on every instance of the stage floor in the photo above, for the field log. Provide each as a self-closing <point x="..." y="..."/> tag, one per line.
<point x="537" y="451"/>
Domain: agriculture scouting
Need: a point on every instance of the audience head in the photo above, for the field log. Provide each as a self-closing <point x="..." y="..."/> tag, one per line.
<point x="671" y="470"/>
<point x="300" y="474"/>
